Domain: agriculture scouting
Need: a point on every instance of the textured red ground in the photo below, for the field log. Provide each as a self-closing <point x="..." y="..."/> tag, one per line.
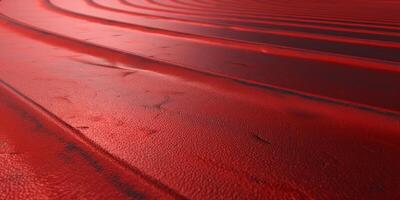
<point x="199" y="99"/>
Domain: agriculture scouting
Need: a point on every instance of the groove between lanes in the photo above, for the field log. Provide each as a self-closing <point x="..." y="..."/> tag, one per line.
<point x="371" y="30"/>
<point x="247" y="29"/>
<point x="306" y="12"/>
<point x="258" y="11"/>
<point x="363" y="58"/>
<point x="238" y="29"/>
<point x="262" y="16"/>
<point x="355" y="33"/>
<point x="314" y="97"/>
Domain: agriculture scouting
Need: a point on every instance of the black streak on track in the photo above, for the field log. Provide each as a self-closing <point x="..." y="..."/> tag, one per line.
<point x="128" y="73"/>
<point x="260" y="139"/>
<point x="71" y="146"/>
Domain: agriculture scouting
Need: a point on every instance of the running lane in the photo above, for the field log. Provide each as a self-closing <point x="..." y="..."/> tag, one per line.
<point x="101" y="104"/>
<point x="319" y="75"/>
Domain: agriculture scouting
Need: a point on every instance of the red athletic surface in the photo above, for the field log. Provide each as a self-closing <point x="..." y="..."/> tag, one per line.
<point x="199" y="99"/>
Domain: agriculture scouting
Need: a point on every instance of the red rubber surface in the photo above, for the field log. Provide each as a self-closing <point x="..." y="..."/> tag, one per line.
<point x="199" y="99"/>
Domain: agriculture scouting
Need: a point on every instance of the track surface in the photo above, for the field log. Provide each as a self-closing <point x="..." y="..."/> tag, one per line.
<point x="199" y="99"/>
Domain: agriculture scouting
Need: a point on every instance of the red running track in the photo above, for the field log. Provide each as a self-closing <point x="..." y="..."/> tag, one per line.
<point x="199" y="99"/>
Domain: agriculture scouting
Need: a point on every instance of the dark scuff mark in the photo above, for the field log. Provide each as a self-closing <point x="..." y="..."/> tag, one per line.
<point x="96" y="64"/>
<point x="149" y="131"/>
<point x="63" y="98"/>
<point x="260" y="139"/>
<point x="159" y="105"/>
<point x="128" y="73"/>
